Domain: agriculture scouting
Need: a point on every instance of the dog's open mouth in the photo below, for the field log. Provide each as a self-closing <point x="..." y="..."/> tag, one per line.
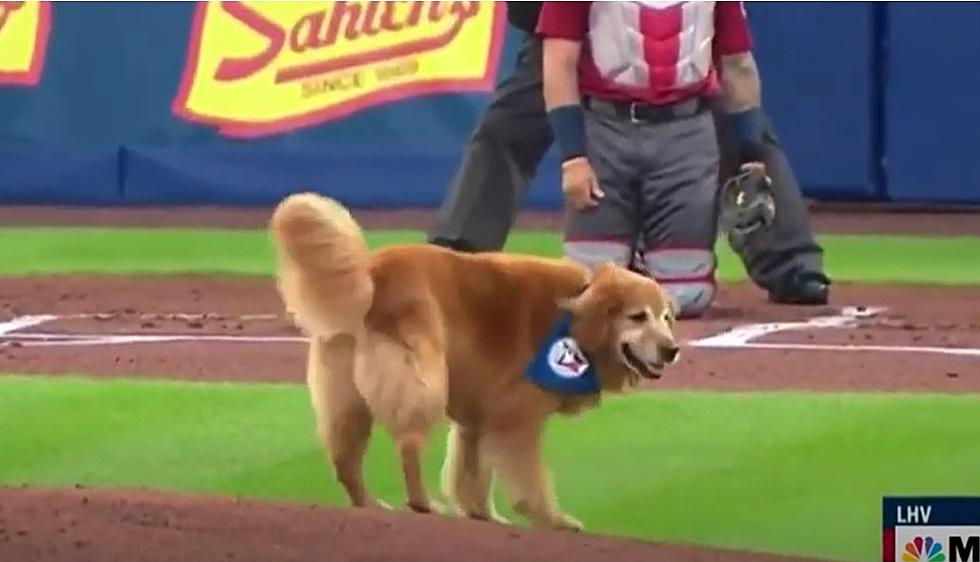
<point x="639" y="366"/>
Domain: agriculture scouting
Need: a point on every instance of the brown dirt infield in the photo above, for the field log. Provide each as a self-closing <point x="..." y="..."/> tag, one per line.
<point x="82" y="525"/>
<point x="825" y="219"/>
<point x="234" y="331"/>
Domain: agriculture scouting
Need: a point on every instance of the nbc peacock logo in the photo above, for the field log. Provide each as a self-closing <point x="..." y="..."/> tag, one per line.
<point x="923" y="549"/>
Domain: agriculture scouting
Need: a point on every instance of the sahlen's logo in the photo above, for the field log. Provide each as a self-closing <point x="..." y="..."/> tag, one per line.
<point x="566" y="359"/>
<point x="923" y="549"/>
<point x="24" y="28"/>
<point x="258" y="68"/>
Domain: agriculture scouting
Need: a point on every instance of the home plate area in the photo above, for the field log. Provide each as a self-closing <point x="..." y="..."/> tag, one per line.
<point x="872" y="338"/>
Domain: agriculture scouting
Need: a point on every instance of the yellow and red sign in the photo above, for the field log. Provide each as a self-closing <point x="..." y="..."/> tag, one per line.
<point x="24" y="28"/>
<point x="258" y="68"/>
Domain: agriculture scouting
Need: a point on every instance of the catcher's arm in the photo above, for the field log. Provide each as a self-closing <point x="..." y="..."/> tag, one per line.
<point x="742" y="104"/>
<point x="741" y="88"/>
<point x="746" y="199"/>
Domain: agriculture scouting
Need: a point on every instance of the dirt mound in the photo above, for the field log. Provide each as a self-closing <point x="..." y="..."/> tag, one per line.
<point x="85" y="525"/>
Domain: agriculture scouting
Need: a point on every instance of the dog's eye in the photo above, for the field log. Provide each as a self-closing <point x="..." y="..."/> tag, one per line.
<point x="638" y="316"/>
<point x="668" y="318"/>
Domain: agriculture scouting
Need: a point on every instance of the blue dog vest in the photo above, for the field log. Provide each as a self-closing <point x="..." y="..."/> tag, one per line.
<point x="560" y="365"/>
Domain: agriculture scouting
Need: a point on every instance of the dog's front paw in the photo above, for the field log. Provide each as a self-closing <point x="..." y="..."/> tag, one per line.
<point x="371" y="503"/>
<point x="430" y="507"/>
<point x="378" y="504"/>
<point x="492" y="517"/>
<point x="564" y="522"/>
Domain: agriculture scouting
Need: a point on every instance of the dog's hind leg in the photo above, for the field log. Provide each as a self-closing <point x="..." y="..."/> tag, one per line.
<point x="405" y="386"/>
<point x="467" y="478"/>
<point x="343" y="420"/>
<point x="516" y="453"/>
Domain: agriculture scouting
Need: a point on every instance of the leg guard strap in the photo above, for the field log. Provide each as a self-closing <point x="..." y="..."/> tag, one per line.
<point x="590" y="253"/>
<point x="687" y="274"/>
<point x="693" y="298"/>
<point x="680" y="264"/>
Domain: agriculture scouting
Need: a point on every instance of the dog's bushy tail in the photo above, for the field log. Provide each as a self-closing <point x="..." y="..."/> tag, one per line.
<point x="323" y="260"/>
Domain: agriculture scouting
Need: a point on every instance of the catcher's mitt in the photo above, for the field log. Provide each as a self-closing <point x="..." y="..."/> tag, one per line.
<point x="747" y="203"/>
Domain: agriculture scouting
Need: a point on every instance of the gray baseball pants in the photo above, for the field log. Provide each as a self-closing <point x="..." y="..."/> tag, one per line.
<point x="512" y="137"/>
<point x="661" y="184"/>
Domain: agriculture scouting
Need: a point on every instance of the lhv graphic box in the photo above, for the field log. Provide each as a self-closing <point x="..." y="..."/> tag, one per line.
<point x="931" y="529"/>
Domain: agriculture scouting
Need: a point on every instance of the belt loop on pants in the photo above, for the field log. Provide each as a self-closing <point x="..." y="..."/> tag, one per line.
<point x="633" y="117"/>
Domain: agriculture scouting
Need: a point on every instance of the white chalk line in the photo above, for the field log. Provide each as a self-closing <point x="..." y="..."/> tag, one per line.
<point x="958" y="351"/>
<point x="54" y="339"/>
<point x="740" y="337"/>
<point x="22" y="322"/>
<point x="9" y="332"/>
<point x="80" y="340"/>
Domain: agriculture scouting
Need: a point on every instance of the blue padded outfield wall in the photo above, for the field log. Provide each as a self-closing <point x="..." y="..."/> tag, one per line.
<point x="240" y="102"/>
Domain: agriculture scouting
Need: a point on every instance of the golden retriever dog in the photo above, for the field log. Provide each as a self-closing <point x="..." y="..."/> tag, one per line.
<point x="407" y="336"/>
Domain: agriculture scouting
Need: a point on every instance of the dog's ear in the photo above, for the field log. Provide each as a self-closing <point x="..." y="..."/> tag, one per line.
<point x="574" y="304"/>
<point x="598" y="293"/>
<point x="571" y="303"/>
<point x="603" y="269"/>
<point x="595" y="299"/>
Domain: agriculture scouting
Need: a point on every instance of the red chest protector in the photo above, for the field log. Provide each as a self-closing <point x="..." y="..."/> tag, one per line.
<point x="653" y="46"/>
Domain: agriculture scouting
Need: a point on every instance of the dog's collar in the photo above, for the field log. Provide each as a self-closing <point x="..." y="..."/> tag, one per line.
<point x="560" y="365"/>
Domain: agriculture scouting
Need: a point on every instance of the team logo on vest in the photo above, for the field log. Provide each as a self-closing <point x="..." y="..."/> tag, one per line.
<point x="24" y="28"/>
<point x="259" y="68"/>
<point x="566" y="359"/>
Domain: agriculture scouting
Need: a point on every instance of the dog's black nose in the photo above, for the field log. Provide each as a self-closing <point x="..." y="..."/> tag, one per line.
<point x="670" y="353"/>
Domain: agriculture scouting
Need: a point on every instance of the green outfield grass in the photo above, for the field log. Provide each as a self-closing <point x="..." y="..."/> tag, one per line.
<point x="870" y="258"/>
<point x="783" y="472"/>
<point x="793" y="473"/>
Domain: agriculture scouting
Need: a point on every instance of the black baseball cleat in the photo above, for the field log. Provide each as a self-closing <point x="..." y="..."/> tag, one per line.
<point x="800" y="287"/>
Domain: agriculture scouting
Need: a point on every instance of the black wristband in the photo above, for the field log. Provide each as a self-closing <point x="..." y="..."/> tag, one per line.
<point x="568" y="126"/>
<point x="746" y="129"/>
